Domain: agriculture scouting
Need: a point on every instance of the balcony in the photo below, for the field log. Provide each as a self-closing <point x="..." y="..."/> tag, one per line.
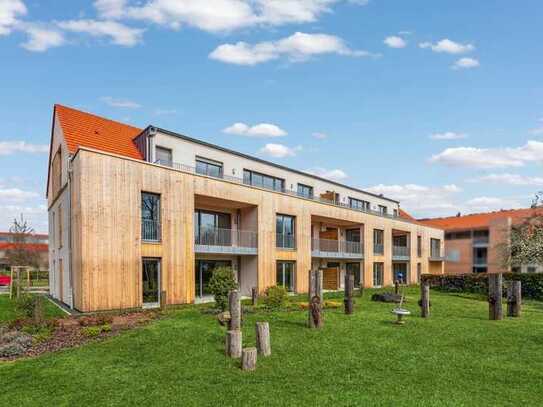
<point x="336" y="249"/>
<point x="401" y="253"/>
<point x="225" y="241"/>
<point x="436" y="255"/>
<point x="283" y="241"/>
<point x="150" y="230"/>
<point x="222" y="176"/>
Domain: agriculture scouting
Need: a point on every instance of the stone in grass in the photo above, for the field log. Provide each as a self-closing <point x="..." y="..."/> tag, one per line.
<point x="387" y="297"/>
<point x="223" y="318"/>
<point x="12" y="349"/>
<point x="14" y="343"/>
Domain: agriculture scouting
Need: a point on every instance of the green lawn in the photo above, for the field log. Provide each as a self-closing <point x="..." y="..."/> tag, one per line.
<point x="457" y="357"/>
<point x="8" y="312"/>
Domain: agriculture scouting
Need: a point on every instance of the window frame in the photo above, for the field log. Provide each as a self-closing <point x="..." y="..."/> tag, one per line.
<point x="249" y="175"/>
<point x="378" y="269"/>
<point x="282" y="232"/>
<point x="208" y="162"/>
<point x="158" y="213"/>
<point x="359" y="204"/>
<point x="170" y="152"/>
<point x="283" y="271"/>
<point x="304" y="187"/>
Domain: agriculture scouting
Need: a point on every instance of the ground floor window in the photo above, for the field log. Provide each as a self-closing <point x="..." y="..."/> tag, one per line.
<point x="378" y="274"/>
<point x="355" y="269"/>
<point x="204" y="271"/>
<point x="150" y="281"/>
<point x="399" y="272"/>
<point x="285" y="275"/>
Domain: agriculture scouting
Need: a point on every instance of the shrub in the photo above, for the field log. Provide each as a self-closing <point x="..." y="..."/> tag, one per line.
<point x="221" y="283"/>
<point x="275" y="298"/>
<point x="25" y="305"/>
<point x="532" y="284"/>
<point x="95" y="331"/>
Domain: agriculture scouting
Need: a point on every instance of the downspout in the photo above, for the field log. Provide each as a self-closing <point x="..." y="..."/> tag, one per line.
<point x="70" y="256"/>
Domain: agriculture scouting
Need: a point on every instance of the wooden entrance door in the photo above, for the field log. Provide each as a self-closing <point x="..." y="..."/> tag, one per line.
<point x="330" y="278"/>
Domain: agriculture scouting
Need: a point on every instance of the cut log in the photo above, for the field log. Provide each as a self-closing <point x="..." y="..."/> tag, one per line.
<point x="315" y="319"/>
<point x="263" y="338"/>
<point x="254" y="296"/>
<point x="162" y="299"/>
<point x="425" y="299"/>
<point x="248" y="359"/>
<point x="235" y="310"/>
<point x="514" y="299"/>
<point x="349" y="288"/>
<point x="233" y="344"/>
<point x="495" y="310"/>
<point x="396" y="287"/>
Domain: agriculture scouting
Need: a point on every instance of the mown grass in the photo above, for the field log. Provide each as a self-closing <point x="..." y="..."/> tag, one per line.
<point x="8" y="311"/>
<point x="457" y="357"/>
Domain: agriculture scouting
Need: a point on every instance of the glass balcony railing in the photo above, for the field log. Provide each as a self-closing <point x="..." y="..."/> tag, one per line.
<point x="400" y="251"/>
<point x="339" y="247"/>
<point x="225" y="240"/>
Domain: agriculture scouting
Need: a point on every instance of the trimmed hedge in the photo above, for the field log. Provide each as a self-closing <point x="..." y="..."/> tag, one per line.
<point x="532" y="284"/>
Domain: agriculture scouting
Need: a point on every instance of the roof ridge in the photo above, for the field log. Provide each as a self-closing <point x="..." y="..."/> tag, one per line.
<point x="480" y="213"/>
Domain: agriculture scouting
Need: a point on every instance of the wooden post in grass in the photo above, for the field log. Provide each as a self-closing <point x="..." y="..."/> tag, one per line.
<point x="248" y="359"/>
<point x="315" y="299"/>
<point x="254" y="296"/>
<point x="495" y="311"/>
<point x="396" y="287"/>
<point x="38" y="310"/>
<point x="18" y="282"/>
<point x="514" y="299"/>
<point x="233" y="344"/>
<point x="234" y="304"/>
<point x="425" y="299"/>
<point x="162" y="299"/>
<point x="349" y="288"/>
<point x="263" y="338"/>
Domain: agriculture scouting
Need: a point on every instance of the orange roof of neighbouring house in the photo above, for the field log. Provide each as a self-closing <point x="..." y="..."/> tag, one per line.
<point x="82" y="129"/>
<point x="480" y="220"/>
<point x="38" y="247"/>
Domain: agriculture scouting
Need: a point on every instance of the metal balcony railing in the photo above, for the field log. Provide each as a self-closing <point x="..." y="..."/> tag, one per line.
<point x="189" y="169"/>
<point x="150" y="230"/>
<point x="220" y="240"/>
<point x="400" y="251"/>
<point x="378" y="248"/>
<point x="283" y="241"/>
<point x="336" y="248"/>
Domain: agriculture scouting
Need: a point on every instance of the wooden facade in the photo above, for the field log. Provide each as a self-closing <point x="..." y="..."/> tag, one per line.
<point x="107" y="249"/>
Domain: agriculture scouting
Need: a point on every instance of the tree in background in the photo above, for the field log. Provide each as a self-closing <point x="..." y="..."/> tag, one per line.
<point x="20" y="253"/>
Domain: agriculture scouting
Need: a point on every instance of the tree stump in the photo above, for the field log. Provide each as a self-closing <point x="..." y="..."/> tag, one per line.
<point x="396" y="287"/>
<point x="235" y="310"/>
<point x="254" y="296"/>
<point x="248" y="359"/>
<point x="315" y="319"/>
<point x="425" y="299"/>
<point x="233" y="344"/>
<point x="263" y="338"/>
<point x="514" y="299"/>
<point x="495" y="311"/>
<point x="349" y="288"/>
<point x="39" y="310"/>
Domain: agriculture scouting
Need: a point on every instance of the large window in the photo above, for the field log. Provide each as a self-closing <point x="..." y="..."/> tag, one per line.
<point x="163" y="156"/>
<point x="285" y="275"/>
<point x="150" y="217"/>
<point x="209" y="167"/>
<point x="359" y="204"/>
<point x="399" y="272"/>
<point x="150" y="281"/>
<point x="352" y="235"/>
<point x="59" y="235"/>
<point x="263" y="181"/>
<point x="419" y="246"/>
<point x="203" y="272"/>
<point x="378" y="274"/>
<point x="383" y="210"/>
<point x="378" y="241"/>
<point x="305" y="190"/>
<point x="355" y="269"/>
<point x="212" y="228"/>
<point x="285" y="229"/>
<point x="435" y="247"/>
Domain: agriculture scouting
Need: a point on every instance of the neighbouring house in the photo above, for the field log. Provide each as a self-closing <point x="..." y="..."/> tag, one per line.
<point x="136" y="212"/>
<point x="37" y="243"/>
<point x="474" y="243"/>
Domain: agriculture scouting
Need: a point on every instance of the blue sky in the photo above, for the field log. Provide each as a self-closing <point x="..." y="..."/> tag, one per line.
<point x="437" y="104"/>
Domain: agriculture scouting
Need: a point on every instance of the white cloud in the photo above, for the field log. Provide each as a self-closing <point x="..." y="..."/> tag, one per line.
<point x="395" y="42"/>
<point x="448" y="46"/>
<point x="120" y="103"/>
<point x="119" y="33"/>
<point x="466" y="63"/>
<point x="298" y="47"/>
<point x="110" y="8"/>
<point x="487" y="204"/>
<point x="35" y="214"/>
<point x="448" y="135"/>
<point x="9" y="11"/>
<point x="41" y="38"/>
<point x="320" y="136"/>
<point x="11" y="147"/>
<point x="333" y="175"/>
<point x="509" y="179"/>
<point x="475" y="157"/>
<point x="16" y="195"/>
<point x="258" y="130"/>
<point x="279" y="150"/>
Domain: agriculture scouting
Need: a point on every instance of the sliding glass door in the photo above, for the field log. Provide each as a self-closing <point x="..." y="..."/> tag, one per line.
<point x="204" y="271"/>
<point x="150" y="282"/>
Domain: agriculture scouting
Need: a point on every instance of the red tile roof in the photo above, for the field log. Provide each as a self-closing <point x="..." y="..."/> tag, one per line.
<point x="38" y="247"/>
<point x="87" y="130"/>
<point x="480" y="220"/>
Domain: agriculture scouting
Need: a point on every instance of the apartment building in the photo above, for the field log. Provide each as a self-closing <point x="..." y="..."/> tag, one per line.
<point x="473" y="243"/>
<point x="135" y="212"/>
<point x="37" y="244"/>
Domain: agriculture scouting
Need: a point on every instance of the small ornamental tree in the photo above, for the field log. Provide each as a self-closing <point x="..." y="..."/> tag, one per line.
<point x="19" y="253"/>
<point x="221" y="283"/>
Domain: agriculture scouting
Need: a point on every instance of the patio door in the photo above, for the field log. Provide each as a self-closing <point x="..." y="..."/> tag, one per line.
<point x="204" y="271"/>
<point x="330" y="277"/>
<point x="150" y="282"/>
<point x="355" y="269"/>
